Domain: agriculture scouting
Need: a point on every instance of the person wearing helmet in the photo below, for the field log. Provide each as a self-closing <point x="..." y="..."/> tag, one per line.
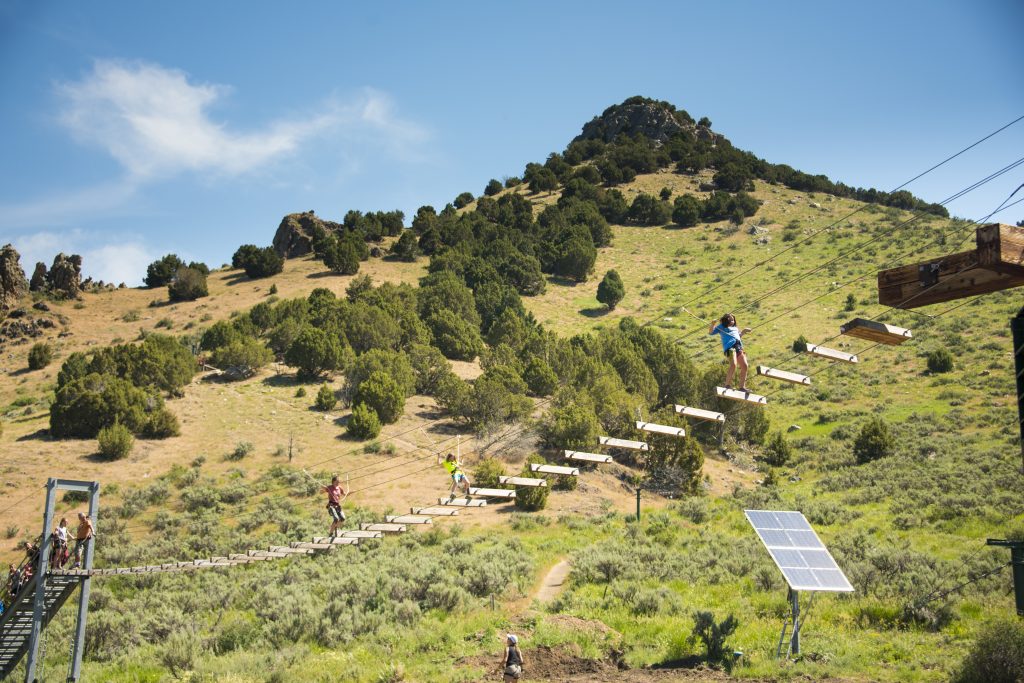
<point x="512" y="664"/>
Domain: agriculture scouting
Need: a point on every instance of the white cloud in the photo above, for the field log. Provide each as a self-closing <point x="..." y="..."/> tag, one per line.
<point x="118" y="263"/>
<point x="124" y="260"/>
<point x="155" y="122"/>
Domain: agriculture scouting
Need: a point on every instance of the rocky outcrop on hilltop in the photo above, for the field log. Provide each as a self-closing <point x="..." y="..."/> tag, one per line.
<point x="295" y="234"/>
<point x="654" y="119"/>
<point x="38" y="281"/>
<point x="13" y="284"/>
<point x="65" y="276"/>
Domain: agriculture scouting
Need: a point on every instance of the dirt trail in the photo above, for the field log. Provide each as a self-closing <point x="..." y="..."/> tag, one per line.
<point x="553" y="582"/>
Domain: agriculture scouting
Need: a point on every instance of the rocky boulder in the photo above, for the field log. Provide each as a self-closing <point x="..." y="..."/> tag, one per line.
<point x="65" y="276"/>
<point x="38" y="281"/>
<point x="295" y="234"/>
<point x="13" y="284"/>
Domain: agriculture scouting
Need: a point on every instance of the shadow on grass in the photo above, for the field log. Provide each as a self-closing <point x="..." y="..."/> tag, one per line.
<point x="236" y="278"/>
<point x="562" y="281"/>
<point x="324" y="274"/>
<point x="19" y="373"/>
<point x="595" y="312"/>
<point x="691" y="662"/>
<point x="41" y="434"/>
<point x="283" y="380"/>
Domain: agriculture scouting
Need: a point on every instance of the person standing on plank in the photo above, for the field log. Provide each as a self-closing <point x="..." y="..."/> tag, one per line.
<point x="336" y="495"/>
<point x="454" y="468"/>
<point x="82" y="537"/>
<point x="732" y="345"/>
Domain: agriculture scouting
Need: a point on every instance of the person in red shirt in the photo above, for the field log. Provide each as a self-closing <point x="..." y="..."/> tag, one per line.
<point x="336" y="494"/>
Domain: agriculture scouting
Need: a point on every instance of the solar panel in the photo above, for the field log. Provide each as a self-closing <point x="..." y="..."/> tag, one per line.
<point x="796" y="549"/>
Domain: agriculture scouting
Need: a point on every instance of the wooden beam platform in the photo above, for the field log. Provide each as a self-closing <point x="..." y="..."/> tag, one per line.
<point x="492" y="493"/>
<point x="408" y="519"/>
<point x="995" y="264"/>
<point x="438" y="511"/>
<point x="462" y="502"/>
<point x="875" y="331"/>
<point x="700" y="414"/>
<point x="383" y="526"/>
<point x="783" y="375"/>
<point x="623" y="443"/>
<point x="557" y="469"/>
<point x="660" y="429"/>
<point x="831" y="354"/>
<point x="361" y="533"/>
<point x="588" y="457"/>
<point x="522" y="481"/>
<point x="737" y="395"/>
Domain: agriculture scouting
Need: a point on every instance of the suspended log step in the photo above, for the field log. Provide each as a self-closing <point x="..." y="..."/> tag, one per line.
<point x="408" y="519"/>
<point x="737" y="395"/>
<point x="267" y="554"/>
<point x="438" y="511"/>
<point x="522" y="481"/>
<point x="492" y="493"/>
<point x="831" y="354"/>
<point x="288" y="550"/>
<point x="461" y="502"/>
<point x="337" y="540"/>
<point x="385" y="527"/>
<point x="875" y="331"/>
<point x="700" y="414"/>
<point x="623" y="443"/>
<point x="556" y="469"/>
<point x="361" y="533"/>
<point x="588" y="457"/>
<point x="783" y="375"/>
<point x="311" y="546"/>
<point x="660" y="429"/>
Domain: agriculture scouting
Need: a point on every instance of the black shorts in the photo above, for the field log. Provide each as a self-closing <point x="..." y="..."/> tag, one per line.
<point x="337" y="514"/>
<point x="735" y="348"/>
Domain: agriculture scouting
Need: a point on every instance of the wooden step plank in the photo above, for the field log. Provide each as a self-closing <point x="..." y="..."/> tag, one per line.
<point x="359" y="533"/>
<point x="492" y="493"/>
<point x="588" y="457"/>
<point x="311" y="546"/>
<point x="655" y="428"/>
<point x="831" y="354"/>
<point x="523" y="481"/>
<point x="289" y="550"/>
<point x="408" y="519"/>
<point x="436" y="511"/>
<point x="555" y="469"/>
<point x="383" y="526"/>
<point x="875" y="331"/>
<point x="266" y="553"/>
<point x="783" y="375"/>
<point x="737" y="395"/>
<point x="623" y="443"/>
<point x="462" y="502"/>
<point x="700" y="414"/>
<point x="337" y="540"/>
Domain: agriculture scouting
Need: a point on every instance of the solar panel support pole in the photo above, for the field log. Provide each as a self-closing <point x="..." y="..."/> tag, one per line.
<point x="794" y="643"/>
<point x="1017" y="563"/>
<point x="1017" y="327"/>
<point x="638" y="503"/>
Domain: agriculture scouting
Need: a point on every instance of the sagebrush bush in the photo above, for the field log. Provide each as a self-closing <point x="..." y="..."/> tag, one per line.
<point x="777" y="451"/>
<point x="325" y="398"/>
<point x="39" y="356"/>
<point x="115" y="441"/>
<point x="486" y="473"/>
<point x="996" y="656"/>
<point x="940" y="361"/>
<point x="363" y="423"/>
<point x="875" y="440"/>
<point x="242" y="449"/>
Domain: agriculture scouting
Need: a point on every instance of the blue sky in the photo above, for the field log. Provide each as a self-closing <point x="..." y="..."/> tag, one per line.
<point x="133" y="129"/>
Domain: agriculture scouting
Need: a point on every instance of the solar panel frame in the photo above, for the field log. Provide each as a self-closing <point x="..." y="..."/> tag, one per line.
<point x="794" y="546"/>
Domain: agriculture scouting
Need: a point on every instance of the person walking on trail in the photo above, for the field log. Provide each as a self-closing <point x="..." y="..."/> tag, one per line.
<point x="82" y="537"/>
<point x="336" y="495"/>
<point x="459" y="479"/>
<point x="512" y="664"/>
<point x="732" y="345"/>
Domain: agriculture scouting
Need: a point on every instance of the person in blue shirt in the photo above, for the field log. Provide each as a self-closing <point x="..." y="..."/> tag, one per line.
<point x="732" y="345"/>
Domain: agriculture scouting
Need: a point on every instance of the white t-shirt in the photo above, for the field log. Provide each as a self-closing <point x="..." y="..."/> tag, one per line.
<point x="62" y="534"/>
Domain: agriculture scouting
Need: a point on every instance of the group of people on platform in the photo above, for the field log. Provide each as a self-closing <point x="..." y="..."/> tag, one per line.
<point x="19" y="576"/>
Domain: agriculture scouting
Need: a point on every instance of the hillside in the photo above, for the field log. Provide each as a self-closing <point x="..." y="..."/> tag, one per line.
<point x="905" y="527"/>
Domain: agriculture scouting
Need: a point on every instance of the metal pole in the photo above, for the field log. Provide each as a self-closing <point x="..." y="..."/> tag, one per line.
<point x="638" y="503"/>
<point x="1017" y="565"/>
<point x="39" y="604"/>
<point x="83" y="596"/>
<point x="795" y="643"/>
<point x="1017" y="328"/>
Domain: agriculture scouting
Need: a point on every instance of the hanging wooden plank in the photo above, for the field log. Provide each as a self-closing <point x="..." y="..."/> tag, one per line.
<point x="623" y="443"/>
<point x="995" y="264"/>
<point x="438" y="511"/>
<point x="783" y="375"/>
<point x="660" y="429"/>
<point x="461" y="502"/>
<point x="337" y="540"/>
<point x="310" y="546"/>
<point x="700" y="413"/>
<point x="288" y="550"/>
<point x="385" y="527"/>
<point x="588" y="457"/>
<point x="523" y="481"/>
<point x="558" y="469"/>
<point x="408" y="519"/>
<point x="737" y="395"/>
<point x="492" y="493"/>
<point x="831" y="354"/>
<point x="360" y="533"/>
<point x="875" y="331"/>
